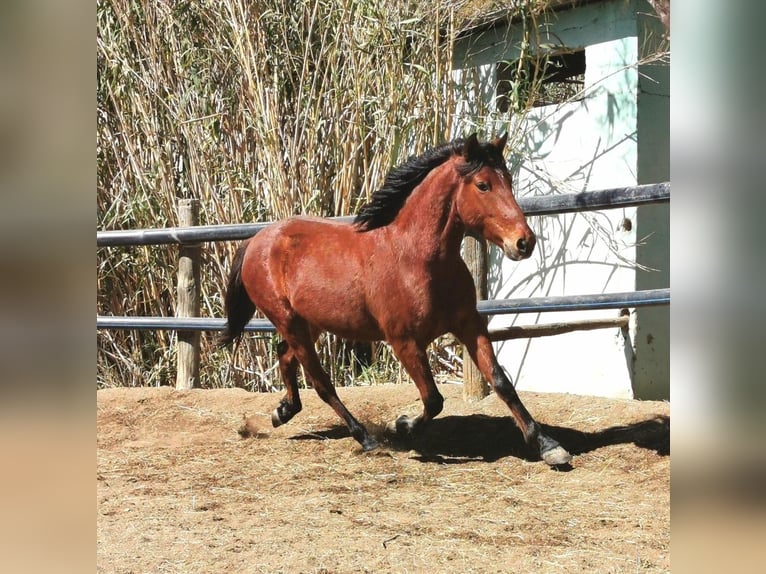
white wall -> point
(583, 145)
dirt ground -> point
(179, 490)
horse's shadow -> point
(458, 439)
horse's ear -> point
(500, 142)
(471, 146)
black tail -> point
(239, 307)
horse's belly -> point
(367, 332)
(331, 296)
(338, 310)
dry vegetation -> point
(260, 110)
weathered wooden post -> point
(475, 387)
(188, 303)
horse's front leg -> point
(473, 334)
(415, 361)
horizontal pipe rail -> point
(537, 205)
(118, 323)
(630, 299)
(651, 297)
(551, 329)
(594, 200)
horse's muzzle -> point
(521, 248)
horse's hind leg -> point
(415, 361)
(302, 345)
(290, 405)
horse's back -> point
(313, 269)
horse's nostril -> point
(521, 245)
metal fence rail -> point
(190, 237)
(542, 205)
(631, 300)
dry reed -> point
(261, 110)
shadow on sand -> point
(457, 439)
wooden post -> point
(533, 331)
(188, 302)
(475, 387)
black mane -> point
(387, 201)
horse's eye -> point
(483, 186)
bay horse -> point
(394, 274)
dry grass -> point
(179, 490)
(261, 110)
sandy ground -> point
(179, 490)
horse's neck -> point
(427, 221)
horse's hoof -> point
(275, 420)
(402, 426)
(556, 456)
(370, 444)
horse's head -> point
(485, 202)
